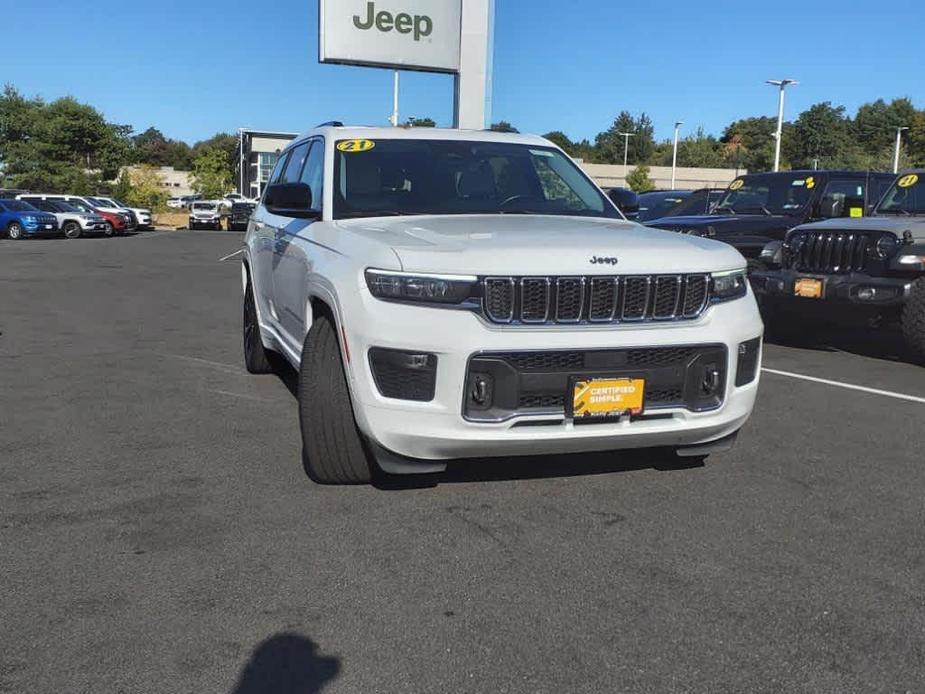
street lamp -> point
(674, 154)
(899, 138)
(626, 146)
(393, 119)
(780, 117)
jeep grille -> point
(594, 299)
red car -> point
(116, 221)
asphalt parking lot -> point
(158, 532)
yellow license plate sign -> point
(808, 288)
(601, 397)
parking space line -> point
(231, 255)
(849, 386)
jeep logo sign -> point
(403, 23)
(407, 34)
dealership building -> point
(257, 153)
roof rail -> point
(331, 124)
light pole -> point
(626, 146)
(782, 84)
(393, 119)
(899, 139)
(674, 154)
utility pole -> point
(782, 84)
(674, 154)
(393, 119)
(899, 139)
(626, 146)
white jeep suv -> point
(450, 294)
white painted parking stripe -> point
(231, 255)
(849, 386)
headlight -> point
(886, 246)
(728, 285)
(407, 286)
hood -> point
(727, 223)
(541, 245)
(893, 223)
(204, 213)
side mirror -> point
(291, 200)
(830, 208)
(626, 201)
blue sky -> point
(194, 68)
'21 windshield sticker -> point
(355, 145)
(735, 185)
(907, 181)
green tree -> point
(151, 147)
(420, 123)
(697, 150)
(226, 142)
(821, 135)
(503, 127)
(141, 186)
(915, 139)
(212, 173)
(608, 145)
(560, 139)
(749, 143)
(876, 122)
(638, 179)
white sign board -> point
(405, 34)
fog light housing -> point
(866, 293)
(747, 366)
(404, 375)
(481, 391)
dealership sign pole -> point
(450, 36)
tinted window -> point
(43, 205)
(313, 173)
(905, 196)
(294, 166)
(19, 206)
(277, 170)
(777, 193)
(844, 198)
(407, 177)
(660, 204)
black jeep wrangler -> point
(759, 208)
(855, 271)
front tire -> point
(108, 229)
(71, 230)
(332, 447)
(913, 319)
(14, 230)
(256, 359)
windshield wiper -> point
(725, 208)
(897, 212)
(375, 213)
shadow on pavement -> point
(287, 664)
(876, 343)
(519, 467)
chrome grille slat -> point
(594, 299)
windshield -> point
(905, 196)
(697, 203)
(408, 177)
(19, 206)
(776, 193)
(655, 205)
(203, 206)
(82, 206)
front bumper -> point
(44, 229)
(852, 288)
(438, 429)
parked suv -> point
(73, 222)
(450, 294)
(142, 215)
(205, 214)
(760, 208)
(868, 270)
(117, 221)
(19, 219)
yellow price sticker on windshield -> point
(355, 145)
(909, 180)
(810, 182)
(736, 184)
(856, 211)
